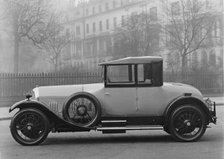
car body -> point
(132, 96)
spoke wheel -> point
(187, 123)
(29, 127)
(82, 111)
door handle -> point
(107, 93)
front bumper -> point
(212, 109)
(213, 113)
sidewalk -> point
(218, 100)
(5, 115)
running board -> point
(124, 129)
(113, 123)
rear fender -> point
(185, 100)
(27, 103)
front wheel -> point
(187, 123)
(29, 127)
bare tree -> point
(188, 28)
(137, 36)
(56, 40)
(27, 17)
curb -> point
(6, 118)
(218, 104)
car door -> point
(150, 101)
(120, 92)
(150, 94)
(120, 101)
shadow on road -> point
(108, 139)
(121, 139)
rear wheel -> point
(29, 127)
(187, 123)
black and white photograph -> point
(111, 79)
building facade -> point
(91, 26)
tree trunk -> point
(16, 52)
(56, 65)
(183, 67)
(16, 42)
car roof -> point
(134, 60)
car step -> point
(113, 123)
(124, 129)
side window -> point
(120, 74)
(145, 74)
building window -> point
(115, 22)
(114, 4)
(134, 13)
(93, 10)
(216, 29)
(77, 13)
(100, 25)
(175, 8)
(89, 49)
(87, 28)
(108, 46)
(67, 32)
(78, 49)
(106, 6)
(204, 58)
(107, 24)
(207, 4)
(73, 50)
(78, 32)
(67, 55)
(195, 60)
(87, 11)
(122, 3)
(153, 13)
(212, 58)
(94, 27)
(100, 9)
(101, 47)
(122, 20)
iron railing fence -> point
(14, 86)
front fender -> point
(27, 103)
(24, 104)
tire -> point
(187, 123)
(82, 110)
(29, 127)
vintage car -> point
(132, 96)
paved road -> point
(132, 145)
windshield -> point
(102, 73)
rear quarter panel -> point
(153, 101)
